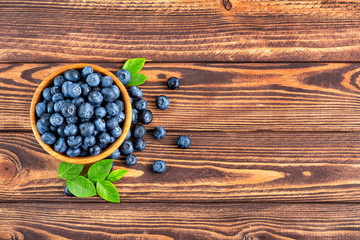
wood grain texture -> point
(218, 167)
(179, 30)
(220, 97)
(179, 221)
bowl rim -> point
(110, 149)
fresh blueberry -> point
(87, 71)
(159, 132)
(84, 153)
(50, 107)
(86, 129)
(114, 155)
(140, 104)
(60, 130)
(112, 123)
(128, 136)
(131, 100)
(100, 124)
(112, 139)
(41, 127)
(57, 97)
(183, 142)
(95, 150)
(95, 98)
(68, 109)
(58, 81)
(72, 119)
(109, 94)
(127, 147)
(86, 110)
(173, 83)
(116, 90)
(65, 88)
(54, 90)
(56, 119)
(135, 92)
(73, 152)
(162, 102)
(139, 131)
(72, 75)
(116, 132)
(53, 129)
(45, 119)
(124, 76)
(120, 104)
(112, 109)
(67, 192)
(60, 145)
(70, 130)
(102, 146)
(77, 101)
(99, 75)
(48, 138)
(146, 116)
(159, 166)
(130, 160)
(47, 94)
(106, 81)
(85, 89)
(40, 109)
(58, 105)
(74, 141)
(97, 89)
(90, 141)
(74, 90)
(100, 112)
(104, 138)
(135, 116)
(84, 147)
(93, 80)
(120, 117)
(139, 145)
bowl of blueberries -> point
(81, 113)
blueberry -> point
(86, 129)
(100, 112)
(120, 104)
(106, 81)
(67, 192)
(48, 138)
(84, 153)
(112, 123)
(40, 109)
(116, 132)
(58, 105)
(90, 141)
(104, 138)
(159, 166)
(86, 110)
(112, 139)
(84, 147)
(85, 89)
(56, 119)
(99, 75)
(139, 131)
(114, 155)
(162, 102)
(112, 109)
(116, 90)
(53, 129)
(135, 116)
(45, 119)
(95, 150)
(74, 141)
(68, 109)
(146, 116)
(96, 133)
(57, 97)
(72, 75)
(159, 132)
(109, 94)
(131, 100)
(73, 152)
(60, 130)
(127, 147)
(120, 117)
(183, 142)
(95, 98)
(97, 89)
(77, 101)
(102, 146)
(47, 94)
(54, 90)
(87, 71)
(74, 90)
(93, 80)
(140, 104)
(139, 145)
(41, 127)
(60, 145)
(70, 130)
(58, 81)
(128, 136)
(72, 119)
(131, 160)
(173, 83)
(100, 124)
(65, 88)
(124, 76)
(50, 107)
(135, 92)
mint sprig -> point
(134, 66)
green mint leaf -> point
(107, 191)
(134, 65)
(137, 79)
(81, 187)
(116, 175)
(69, 170)
(99, 170)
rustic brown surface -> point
(179, 30)
(179, 221)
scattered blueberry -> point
(159, 166)
(173, 83)
(74, 90)
(159, 133)
(45, 119)
(104, 138)
(100, 112)
(139, 131)
(108, 94)
(112, 109)
(48, 138)
(95, 98)
(116, 132)
(56, 119)
(72, 75)
(162, 102)
(70, 130)
(116, 90)
(40, 109)
(58, 81)
(93, 80)
(183, 142)
(73, 152)
(135, 92)
(100, 124)
(86, 110)
(68, 109)
(135, 116)
(114, 155)
(41, 127)
(106, 81)
(140, 104)
(127, 147)
(146, 116)
(67, 192)
(60, 145)
(112, 123)
(139, 145)
(47, 94)
(124, 76)
(131, 160)
(86, 129)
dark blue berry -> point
(47, 94)
(90, 141)
(108, 94)
(65, 88)
(106, 81)
(131, 100)
(50, 107)
(58, 105)
(74, 141)
(127, 147)
(70, 130)
(53, 129)
(116, 91)
(114, 155)
(159, 166)
(87, 71)
(96, 133)
(112, 139)
(128, 136)
(72, 119)
(162, 102)
(100, 124)
(183, 142)
(48, 138)
(112, 123)
(72, 75)
(104, 138)
(102, 146)
(139, 145)
(116, 132)
(135, 92)
(86, 129)
(124, 76)
(173, 83)
(58, 81)
(86, 110)
(99, 75)
(93, 80)
(40, 109)
(140, 104)
(85, 89)
(54, 90)
(130, 160)
(68, 109)
(159, 133)
(135, 116)
(84, 153)
(57, 97)
(100, 112)
(97, 89)
(120, 104)
(78, 101)
(74, 90)
(95, 98)
(139, 131)
(67, 192)
(146, 116)
(45, 119)
(95, 150)
(112, 109)
(60, 145)
(56, 119)
(60, 130)
(73, 152)
(41, 127)
(120, 117)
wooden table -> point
(269, 96)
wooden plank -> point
(179, 221)
(179, 30)
(220, 97)
(218, 167)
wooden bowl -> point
(110, 149)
